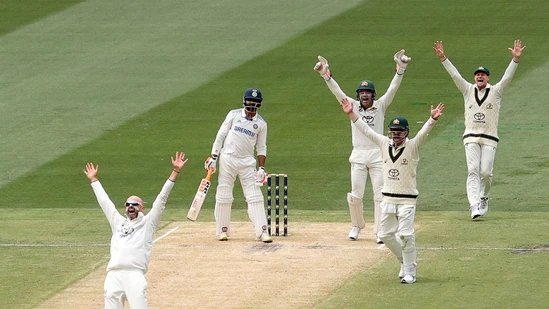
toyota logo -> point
(368, 119)
(393, 172)
(479, 116)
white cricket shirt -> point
(239, 135)
(132, 240)
(373, 116)
(399, 164)
(481, 106)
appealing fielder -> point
(400, 157)
(365, 157)
(242, 130)
(482, 104)
(132, 239)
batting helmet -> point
(399, 123)
(253, 94)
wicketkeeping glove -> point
(261, 175)
(210, 162)
(323, 68)
(401, 61)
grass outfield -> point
(46, 199)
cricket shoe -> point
(353, 234)
(265, 237)
(408, 279)
(379, 241)
(483, 208)
(223, 237)
(475, 211)
(401, 273)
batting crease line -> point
(167, 233)
(77, 245)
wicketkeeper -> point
(482, 104)
(132, 239)
(398, 208)
(365, 157)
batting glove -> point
(401, 61)
(323, 68)
(261, 175)
(210, 162)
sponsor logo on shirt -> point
(479, 118)
(245, 131)
(126, 230)
(369, 120)
(393, 174)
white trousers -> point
(480, 165)
(397, 232)
(245, 168)
(123, 284)
(373, 167)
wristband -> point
(176, 171)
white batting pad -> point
(222, 214)
(356, 210)
(256, 212)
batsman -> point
(242, 133)
(365, 157)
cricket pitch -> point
(190, 268)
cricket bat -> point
(200, 196)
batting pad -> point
(356, 210)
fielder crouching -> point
(132, 239)
(400, 157)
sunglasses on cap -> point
(132, 203)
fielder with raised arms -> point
(132, 239)
(482, 102)
(400, 159)
(365, 157)
(242, 133)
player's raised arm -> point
(323, 68)
(516, 50)
(178, 162)
(439, 50)
(437, 111)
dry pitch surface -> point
(190, 268)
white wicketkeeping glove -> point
(260, 176)
(210, 162)
(323, 68)
(401, 61)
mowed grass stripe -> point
(18, 13)
(70, 77)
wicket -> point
(277, 203)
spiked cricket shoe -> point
(223, 237)
(483, 208)
(265, 237)
(408, 279)
(353, 234)
(475, 211)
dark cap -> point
(483, 70)
(399, 123)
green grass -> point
(46, 199)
